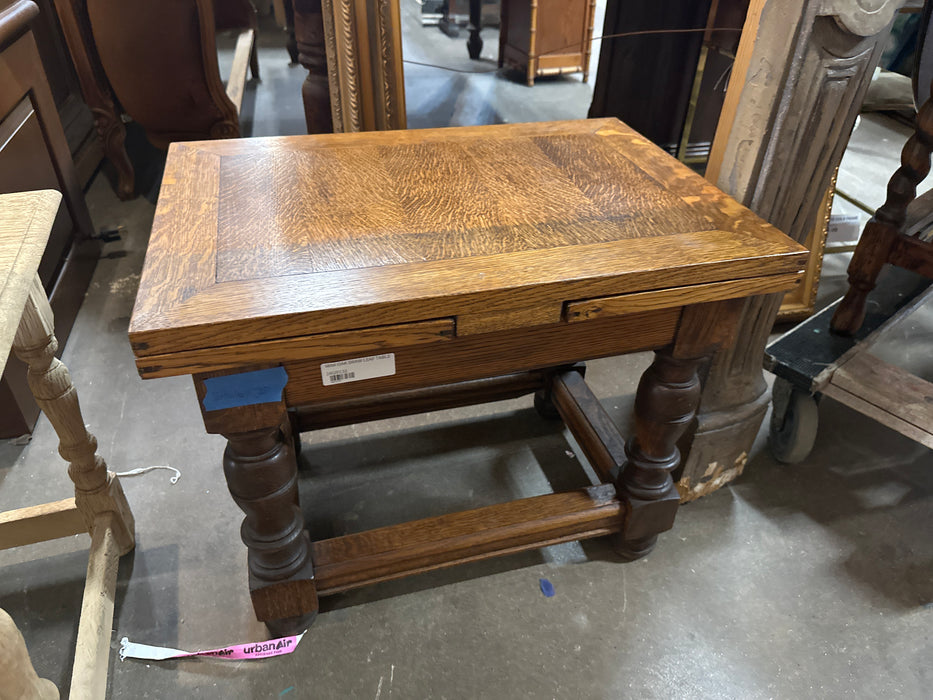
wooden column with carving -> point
(309, 37)
(780, 139)
(99, 98)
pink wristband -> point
(234, 652)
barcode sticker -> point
(357, 369)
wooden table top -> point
(25, 222)
(271, 238)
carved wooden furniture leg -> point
(97, 491)
(475, 41)
(877, 241)
(315, 91)
(110, 127)
(667, 398)
(18, 679)
(665, 404)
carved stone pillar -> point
(797, 106)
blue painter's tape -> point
(547, 588)
(245, 389)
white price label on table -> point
(358, 369)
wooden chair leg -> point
(97, 491)
(18, 679)
(880, 236)
(475, 41)
(870, 255)
(92, 649)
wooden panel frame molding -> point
(363, 42)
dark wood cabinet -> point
(667, 83)
(645, 79)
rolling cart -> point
(810, 361)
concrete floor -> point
(808, 581)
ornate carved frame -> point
(364, 56)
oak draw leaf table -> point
(313, 281)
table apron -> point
(491, 355)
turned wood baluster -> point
(18, 678)
(665, 405)
(96, 490)
(667, 398)
(881, 231)
(262, 476)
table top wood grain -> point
(276, 238)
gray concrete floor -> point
(808, 581)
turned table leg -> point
(97, 491)
(291, 43)
(667, 398)
(665, 405)
(261, 469)
(308, 17)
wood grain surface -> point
(265, 239)
(25, 222)
(32, 524)
(888, 388)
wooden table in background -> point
(450, 266)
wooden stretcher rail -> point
(586, 418)
(48, 521)
(406, 403)
(392, 552)
(92, 648)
